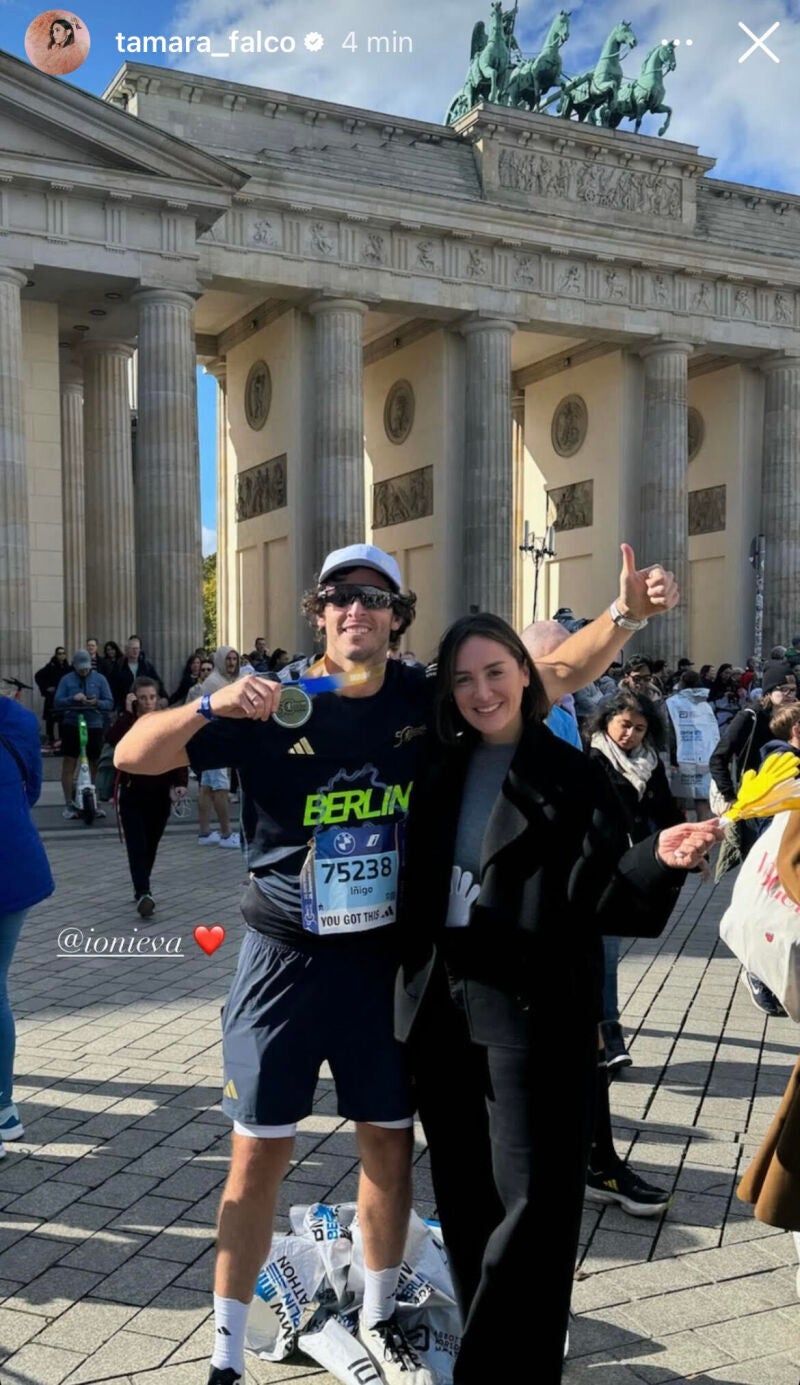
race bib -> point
(348, 883)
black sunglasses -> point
(343, 594)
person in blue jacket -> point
(25, 877)
(84, 692)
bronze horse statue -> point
(645, 94)
(532, 79)
(592, 95)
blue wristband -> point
(204, 710)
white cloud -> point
(209, 541)
(742, 114)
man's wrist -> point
(205, 709)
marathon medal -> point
(294, 708)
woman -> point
(723, 695)
(112, 658)
(62, 33)
(47, 680)
(517, 860)
(626, 735)
(739, 747)
(189, 679)
(278, 660)
(25, 877)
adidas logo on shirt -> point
(301, 747)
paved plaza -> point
(107, 1206)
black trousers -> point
(144, 817)
(509, 1129)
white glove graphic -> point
(463, 893)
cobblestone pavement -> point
(107, 1206)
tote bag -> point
(761, 925)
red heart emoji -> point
(209, 938)
(769, 937)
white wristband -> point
(622, 621)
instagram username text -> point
(257, 42)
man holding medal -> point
(327, 763)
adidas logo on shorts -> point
(229, 1090)
(301, 747)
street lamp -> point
(539, 549)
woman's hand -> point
(683, 847)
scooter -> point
(84, 796)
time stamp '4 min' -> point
(365, 43)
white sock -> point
(380, 1287)
(230, 1317)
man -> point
(134, 665)
(258, 658)
(541, 638)
(317, 968)
(82, 692)
(144, 800)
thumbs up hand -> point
(647, 591)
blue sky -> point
(740, 113)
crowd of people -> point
(421, 851)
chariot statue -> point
(501, 74)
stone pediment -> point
(53, 130)
(560, 167)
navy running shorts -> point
(289, 1012)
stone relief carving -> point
(696, 428)
(571, 507)
(707, 511)
(476, 264)
(624, 190)
(616, 285)
(402, 498)
(782, 309)
(743, 303)
(261, 488)
(398, 411)
(660, 290)
(320, 238)
(571, 280)
(264, 234)
(701, 298)
(569, 427)
(524, 270)
(424, 258)
(258, 395)
(374, 249)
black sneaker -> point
(393, 1353)
(217, 1376)
(617, 1055)
(762, 997)
(145, 906)
(621, 1185)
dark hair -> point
(275, 658)
(637, 663)
(625, 701)
(720, 683)
(134, 637)
(65, 24)
(448, 720)
(690, 679)
(112, 644)
(404, 608)
(143, 682)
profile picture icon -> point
(57, 41)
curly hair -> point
(624, 701)
(404, 609)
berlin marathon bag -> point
(761, 925)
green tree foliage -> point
(210, 601)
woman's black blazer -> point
(557, 871)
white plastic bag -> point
(761, 925)
(322, 1262)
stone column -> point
(219, 370)
(168, 540)
(339, 516)
(488, 470)
(518, 505)
(16, 651)
(665, 487)
(73, 508)
(108, 480)
(780, 515)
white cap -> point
(362, 555)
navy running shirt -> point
(331, 795)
